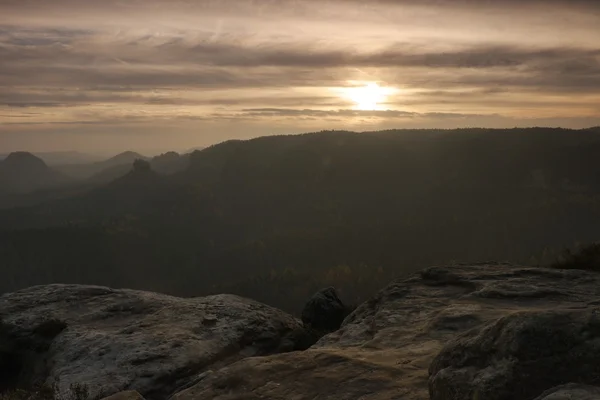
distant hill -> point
(109, 174)
(22, 172)
(123, 158)
(128, 191)
(88, 170)
(53, 158)
(165, 164)
(66, 157)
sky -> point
(157, 75)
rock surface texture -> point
(519, 356)
(117, 340)
(478, 327)
(571, 391)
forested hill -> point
(275, 218)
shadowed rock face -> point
(571, 391)
(520, 356)
(115, 340)
(324, 311)
(385, 348)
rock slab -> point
(385, 348)
(116, 340)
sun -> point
(369, 96)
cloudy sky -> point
(152, 75)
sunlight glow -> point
(369, 96)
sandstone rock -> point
(571, 391)
(384, 349)
(519, 356)
(115, 340)
(324, 311)
(271, 378)
(127, 395)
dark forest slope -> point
(277, 217)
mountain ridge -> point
(330, 207)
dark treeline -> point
(276, 218)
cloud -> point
(279, 63)
(350, 114)
(64, 97)
(286, 112)
(159, 62)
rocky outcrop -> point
(492, 331)
(385, 348)
(324, 311)
(519, 356)
(116, 340)
(571, 391)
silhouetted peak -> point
(141, 175)
(22, 172)
(141, 171)
(23, 158)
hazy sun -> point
(369, 96)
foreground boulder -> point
(324, 311)
(116, 340)
(384, 349)
(571, 391)
(520, 356)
